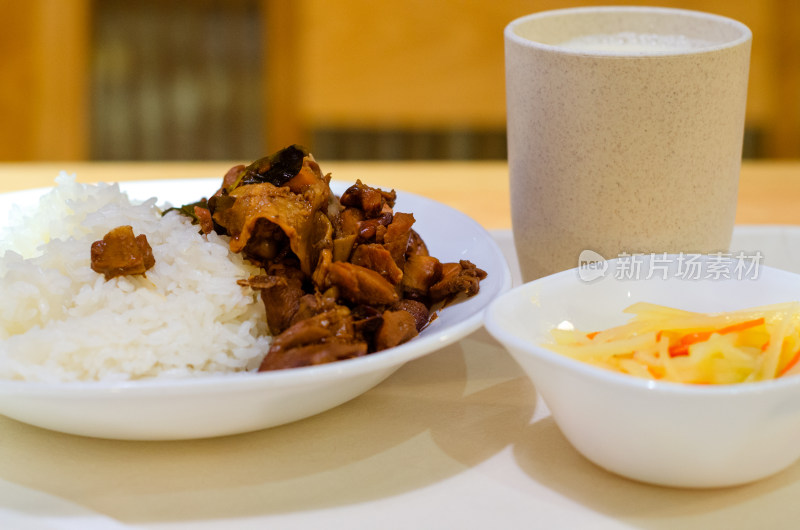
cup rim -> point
(511, 34)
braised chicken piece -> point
(332, 325)
(314, 304)
(416, 309)
(262, 211)
(343, 277)
(121, 253)
(397, 328)
(322, 338)
(378, 258)
(419, 274)
(266, 241)
(371, 201)
(416, 246)
(457, 278)
(321, 249)
(204, 219)
(372, 229)
(343, 247)
(397, 237)
(361, 285)
(281, 291)
(348, 222)
(313, 354)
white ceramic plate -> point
(221, 405)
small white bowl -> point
(657, 432)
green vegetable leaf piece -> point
(277, 168)
(188, 209)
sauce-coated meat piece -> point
(263, 216)
(397, 328)
(281, 291)
(416, 309)
(457, 278)
(261, 209)
(313, 304)
(204, 219)
(416, 246)
(398, 235)
(361, 285)
(372, 201)
(419, 274)
(314, 354)
(377, 258)
(322, 338)
(335, 324)
(372, 229)
(121, 253)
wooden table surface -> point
(456, 439)
(768, 193)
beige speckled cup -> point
(623, 148)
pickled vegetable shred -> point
(669, 344)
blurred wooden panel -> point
(363, 67)
(389, 64)
(177, 80)
(282, 68)
(766, 19)
(43, 100)
(785, 140)
(416, 64)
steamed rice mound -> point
(61, 321)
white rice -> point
(61, 321)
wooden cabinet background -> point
(408, 69)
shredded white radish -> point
(671, 344)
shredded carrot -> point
(741, 326)
(682, 347)
(679, 350)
